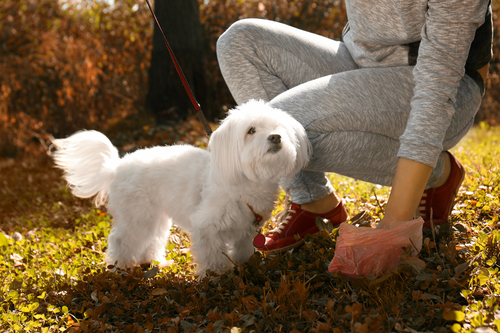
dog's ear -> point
(302, 143)
(224, 146)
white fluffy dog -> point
(214, 195)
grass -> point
(53, 277)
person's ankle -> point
(321, 206)
(446, 171)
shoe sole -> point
(362, 216)
(295, 245)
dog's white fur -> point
(206, 193)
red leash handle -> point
(195, 103)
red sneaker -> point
(296, 221)
(442, 199)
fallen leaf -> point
(454, 315)
(415, 262)
(462, 267)
(324, 224)
(94, 296)
(431, 296)
(151, 273)
(159, 291)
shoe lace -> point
(283, 217)
(421, 209)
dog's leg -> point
(156, 249)
(241, 247)
(208, 249)
(132, 235)
(120, 252)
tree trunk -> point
(167, 98)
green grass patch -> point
(53, 276)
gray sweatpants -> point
(353, 116)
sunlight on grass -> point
(53, 276)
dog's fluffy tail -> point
(89, 162)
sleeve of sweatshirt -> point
(447, 34)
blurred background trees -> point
(66, 66)
(166, 98)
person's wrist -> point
(391, 218)
(400, 216)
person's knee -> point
(240, 33)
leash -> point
(259, 239)
(196, 105)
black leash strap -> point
(196, 105)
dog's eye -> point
(251, 130)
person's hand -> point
(370, 252)
(373, 251)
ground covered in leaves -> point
(53, 277)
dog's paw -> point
(241, 255)
(201, 274)
(203, 271)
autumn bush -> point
(66, 66)
(69, 67)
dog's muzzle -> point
(275, 139)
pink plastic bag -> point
(370, 252)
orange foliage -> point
(70, 67)
(85, 65)
(490, 109)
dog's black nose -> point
(274, 138)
